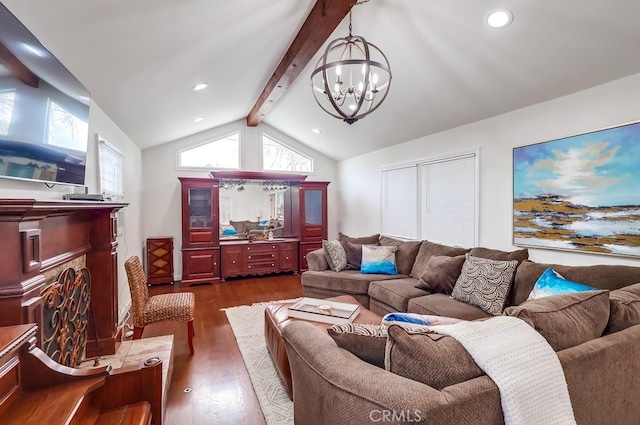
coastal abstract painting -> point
(580, 193)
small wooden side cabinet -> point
(159, 260)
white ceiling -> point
(140, 59)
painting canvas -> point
(580, 193)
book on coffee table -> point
(325, 311)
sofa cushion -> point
(238, 225)
(354, 255)
(378, 259)
(552, 283)
(363, 240)
(444, 305)
(406, 253)
(485, 283)
(429, 249)
(566, 320)
(368, 342)
(435, 360)
(625, 308)
(600, 276)
(251, 225)
(395, 293)
(346, 282)
(335, 254)
(441, 273)
(496, 254)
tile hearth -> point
(134, 352)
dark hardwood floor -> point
(221, 391)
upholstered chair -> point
(178, 306)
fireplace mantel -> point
(40, 236)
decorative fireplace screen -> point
(65, 316)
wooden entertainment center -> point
(207, 259)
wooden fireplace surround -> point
(38, 236)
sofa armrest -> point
(333, 386)
(317, 261)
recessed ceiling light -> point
(197, 119)
(316, 130)
(200, 86)
(499, 18)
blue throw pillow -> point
(229, 231)
(552, 283)
(378, 259)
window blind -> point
(399, 202)
(448, 210)
(111, 167)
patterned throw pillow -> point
(485, 283)
(378, 259)
(335, 254)
(552, 283)
(368, 342)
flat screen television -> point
(44, 111)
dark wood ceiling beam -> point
(325, 16)
(17, 68)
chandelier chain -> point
(351, 8)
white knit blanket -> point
(533, 389)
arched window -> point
(279, 157)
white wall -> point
(130, 242)
(161, 187)
(604, 106)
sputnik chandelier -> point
(352, 77)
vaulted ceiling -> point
(140, 60)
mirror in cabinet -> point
(254, 203)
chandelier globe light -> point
(352, 77)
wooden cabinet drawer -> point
(262, 267)
(254, 257)
(261, 248)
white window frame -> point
(111, 166)
(208, 140)
(407, 220)
(286, 145)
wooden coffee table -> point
(276, 318)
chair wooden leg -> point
(137, 332)
(190, 334)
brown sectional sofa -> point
(384, 294)
(331, 385)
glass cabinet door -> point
(199, 207)
(313, 207)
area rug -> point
(247, 323)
